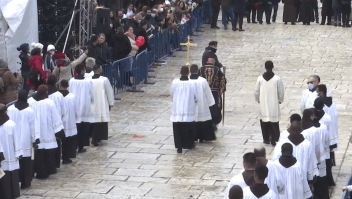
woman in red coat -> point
(37, 75)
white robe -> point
(247, 194)
(308, 99)
(333, 129)
(326, 120)
(284, 134)
(58, 100)
(25, 128)
(11, 145)
(269, 94)
(296, 186)
(235, 180)
(185, 97)
(89, 75)
(48, 122)
(103, 98)
(83, 90)
(312, 136)
(205, 100)
(69, 120)
(274, 183)
(304, 153)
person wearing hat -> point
(210, 53)
(64, 68)
(25, 69)
(49, 62)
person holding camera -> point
(8, 83)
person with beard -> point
(294, 117)
(326, 120)
(303, 150)
(321, 189)
(326, 11)
(205, 130)
(64, 67)
(141, 31)
(83, 90)
(275, 184)
(92, 50)
(269, 93)
(69, 145)
(11, 146)
(103, 102)
(24, 117)
(259, 189)
(345, 11)
(25, 69)
(289, 169)
(122, 45)
(209, 52)
(58, 100)
(49, 126)
(217, 82)
(245, 178)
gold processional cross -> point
(188, 44)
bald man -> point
(236, 192)
(217, 82)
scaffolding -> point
(85, 28)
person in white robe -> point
(294, 117)
(302, 150)
(9, 140)
(69, 144)
(90, 63)
(58, 100)
(269, 93)
(325, 119)
(184, 95)
(313, 134)
(290, 170)
(245, 178)
(83, 90)
(259, 190)
(103, 102)
(24, 118)
(275, 184)
(205, 130)
(49, 124)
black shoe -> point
(234, 29)
(260, 22)
(179, 150)
(322, 24)
(193, 146)
(95, 143)
(285, 23)
(200, 141)
(225, 28)
(248, 21)
(254, 22)
(216, 27)
(308, 24)
(82, 150)
(273, 21)
(240, 29)
(68, 161)
(293, 23)
(335, 24)
(348, 26)
(215, 127)
(266, 142)
(268, 23)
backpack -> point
(2, 83)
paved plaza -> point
(140, 161)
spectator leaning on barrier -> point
(8, 83)
(25, 69)
(103, 48)
(64, 67)
(132, 38)
(141, 31)
(122, 45)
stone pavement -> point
(140, 161)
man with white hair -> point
(90, 63)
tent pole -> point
(69, 28)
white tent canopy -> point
(18, 25)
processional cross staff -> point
(188, 44)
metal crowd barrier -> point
(161, 43)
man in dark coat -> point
(215, 4)
(239, 8)
(92, 51)
(326, 11)
(290, 13)
(210, 53)
(122, 45)
(250, 7)
(346, 11)
(102, 48)
(275, 7)
(141, 31)
(306, 14)
(264, 6)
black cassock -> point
(217, 82)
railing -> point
(161, 43)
